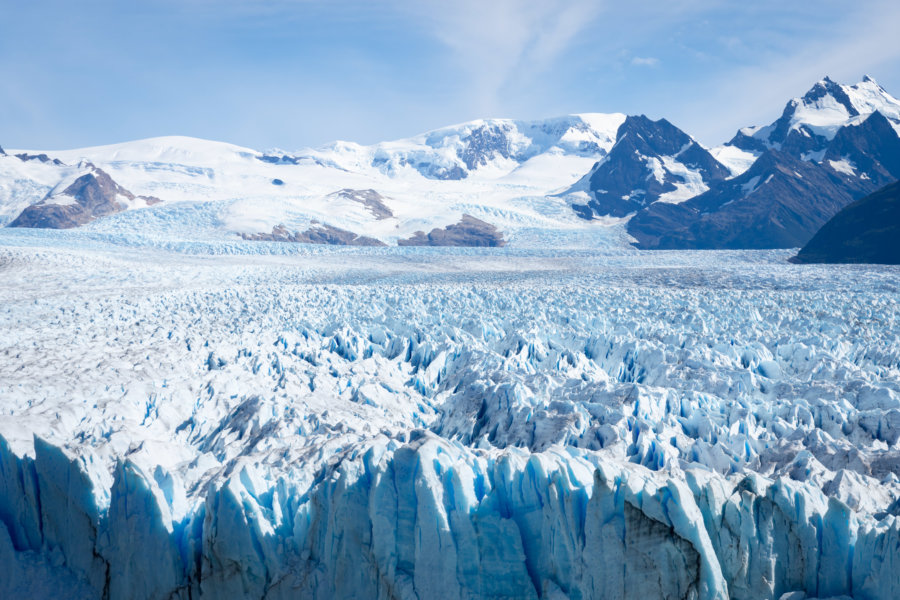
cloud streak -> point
(505, 45)
(756, 93)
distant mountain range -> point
(589, 179)
(830, 147)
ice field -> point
(245, 420)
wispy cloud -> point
(505, 43)
(756, 93)
(649, 61)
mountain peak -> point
(810, 122)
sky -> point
(300, 73)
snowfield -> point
(264, 420)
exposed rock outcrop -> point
(368, 198)
(468, 232)
(90, 197)
(40, 157)
(319, 233)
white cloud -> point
(640, 61)
(755, 94)
(505, 43)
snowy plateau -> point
(191, 408)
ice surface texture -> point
(451, 424)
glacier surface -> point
(240, 420)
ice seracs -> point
(479, 423)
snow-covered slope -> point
(500, 171)
(567, 181)
(808, 123)
(395, 423)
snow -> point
(867, 97)
(814, 156)
(213, 190)
(751, 185)
(691, 183)
(825, 115)
(250, 420)
(843, 166)
(735, 160)
(185, 413)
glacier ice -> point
(405, 423)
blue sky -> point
(296, 73)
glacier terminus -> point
(219, 421)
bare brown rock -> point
(368, 198)
(468, 232)
(319, 233)
(88, 198)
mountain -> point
(651, 161)
(468, 232)
(485, 147)
(780, 202)
(834, 145)
(866, 231)
(807, 124)
(90, 196)
(507, 175)
(579, 180)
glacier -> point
(254, 420)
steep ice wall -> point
(433, 519)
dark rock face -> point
(782, 200)
(277, 182)
(468, 232)
(281, 159)
(319, 233)
(484, 144)
(2, 153)
(872, 147)
(866, 231)
(41, 157)
(633, 176)
(89, 197)
(368, 198)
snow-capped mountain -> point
(86, 196)
(651, 161)
(809, 123)
(780, 202)
(834, 145)
(500, 172)
(576, 180)
(484, 148)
